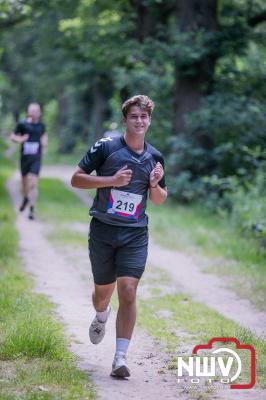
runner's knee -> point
(33, 181)
(100, 304)
(127, 294)
(101, 296)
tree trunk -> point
(62, 113)
(192, 16)
(86, 113)
(143, 19)
(16, 115)
(100, 111)
(150, 17)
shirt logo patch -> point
(99, 143)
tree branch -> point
(8, 23)
(257, 19)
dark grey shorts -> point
(29, 165)
(117, 251)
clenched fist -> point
(156, 174)
(122, 177)
(24, 138)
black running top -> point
(125, 205)
(32, 148)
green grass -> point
(61, 208)
(43, 339)
(192, 323)
(59, 205)
(35, 362)
(41, 379)
(52, 156)
(180, 227)
(193, 229)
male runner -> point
(32, 137)
(128, 170)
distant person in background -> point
(30, 133)
(112, 132)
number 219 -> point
(125, 206)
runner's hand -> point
(24, 138)
(156, 174)
(122, 177)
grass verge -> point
(58, 205)
(193, 229)
(66, 215)
(180, 323)
(52, 156)
(35, 362)
(189, 323)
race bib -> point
(30, 148)
(124, 204)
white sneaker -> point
(97, 329)
(119, 366)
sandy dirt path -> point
(186, 272)
(70, 289)
(208, 289)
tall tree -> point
(195, 62)
(206, 31)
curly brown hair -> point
(141, 101)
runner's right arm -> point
(18, 136)
(92, 161)
(82, 180)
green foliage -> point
(50, 116)
(224, 147)
(11, 11)
(68, 135)
(8, 236)
(249, 208)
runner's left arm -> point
(158, 195)
(44, 137)
(44, 140)
(157, 189)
